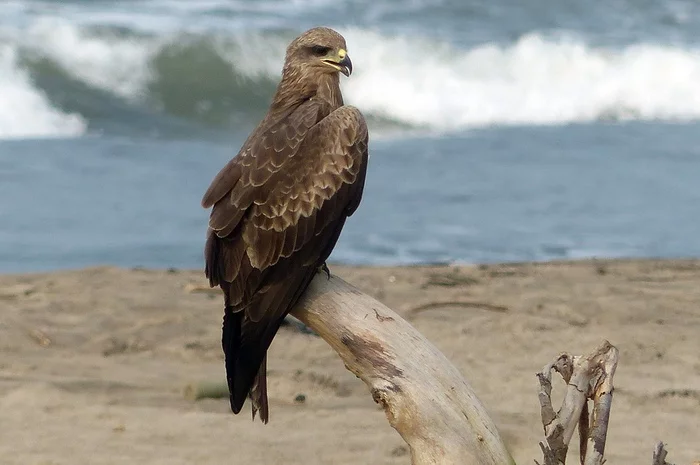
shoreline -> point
(103, 353)
(517, 263)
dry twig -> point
(587, 378)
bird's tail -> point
(248, 331)
(246, 367)
(231, 343)
(245, 342)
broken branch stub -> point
(660, 453)
(587, 378)
(424, 396)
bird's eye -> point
(320, 50)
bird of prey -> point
(280, 204)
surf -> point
(402, 83)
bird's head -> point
(318, 50)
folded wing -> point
(278, 209)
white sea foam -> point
(24, 110)
(412, 80)
(534, 81)
(117, 64)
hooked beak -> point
(340, 62)
(346, 65)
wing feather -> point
(298, 198)
(222, 183)
(290, 238)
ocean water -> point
(500, 130)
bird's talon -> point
(324, 268)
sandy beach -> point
(93, 363)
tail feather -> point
(258, 393)
(247, 367)
(231, 342)
(245, 345)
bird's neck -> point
(328, 89)
(295, 89)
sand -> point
(93, 363)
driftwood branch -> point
(427, 400)
(424, 396)
(587, 378)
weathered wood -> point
(588, 377)
(602, 403)
(660, 453)
(424, 396)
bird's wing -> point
(264, 151)
(287, 200)
(282, 190)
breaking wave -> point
(25, 111)
(533, 81)
(226, 80)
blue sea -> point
(500, 130)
